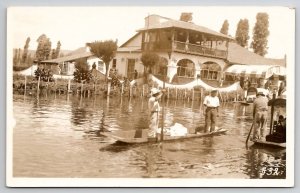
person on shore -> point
(135, 74)
(260, 114)
(211, 104)
(154, 108)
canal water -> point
(58, 136)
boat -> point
(251, 95)
(277, 135)
(140, 136)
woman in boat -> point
(154, 108)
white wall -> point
(121, 64)
(99, 63)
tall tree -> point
(187, 17)
(260, 34)
(149, 59)
(225, 27)
(104, 50)
(53, 54)
(82, 72)
(44, 48)
(25, 52)
(242, 32)
(57, 50)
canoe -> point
(144, 139)
(246, 103)
(269, 143)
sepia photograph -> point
(157, 96)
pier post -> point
(38, 85)
(25, 85)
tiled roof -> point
(240, 55)
(184, 25)
(69, 58)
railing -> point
(199, 50)
(157, 46)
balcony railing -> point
(199, 50)
(184, 47)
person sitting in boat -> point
(211, 104)
(154, 108)
(260, 114)
(279, 134)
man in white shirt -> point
(211, 104)
(154, 108)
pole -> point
(25, 85)
(163, 111)
(38, 86)
(272, 112)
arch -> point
(186, 68)
(210, 71)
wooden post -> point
(38, 86)
(193, 95)
(25, 82)
(81, 88)
(168, 92)
(69, 85)
(176, 93)
(272, 112)
(122, 88)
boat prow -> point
(133, 140)
(269, 143)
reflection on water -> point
(58, 136)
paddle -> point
(249, 133)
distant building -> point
(64, 67)
(191, 51)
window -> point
(114, 63)
(100, 66)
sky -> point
(74, 26)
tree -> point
(82, 72)
(260, 34)
(149, 59)
(57, 50)
(53, 54)
(225, 27)
(104, 50)
(242, 32)
(25, 52)
(44, 48)
(187, 17)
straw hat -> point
(154, 91)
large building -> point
(188, 51)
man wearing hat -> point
(154, 108)
(211, 104)
(260, 114)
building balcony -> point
(184, 47)
(198, 50)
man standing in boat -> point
(260, 114)
(211, 104)
(154, 108)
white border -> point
(154, 182)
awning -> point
(247, 69)
(260, 70)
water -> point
(58, 136)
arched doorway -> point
(210, 71)
(186, 68)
